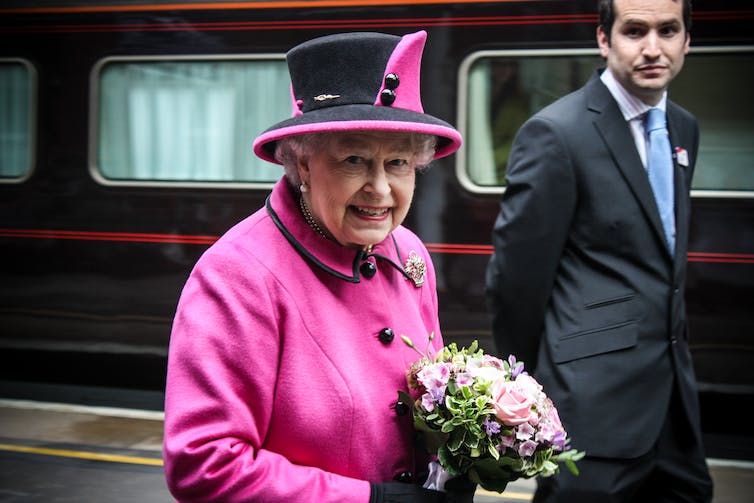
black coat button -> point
(403, 477)
(387, 335)
(368, 269)
(401, 408)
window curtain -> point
(15, 117)
(479, 153)
(189, 121)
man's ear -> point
(602, 42)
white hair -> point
(290, 149)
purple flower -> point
(433, 396)
(434, 378)
(527, 448)
(435, 375)
(559, 440)
(507, 440)
(464, 379)
(428, 403)
(516, 367)
(491, 427)
(524, 431)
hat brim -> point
(359, 118)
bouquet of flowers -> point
(486, 418)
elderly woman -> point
(285, 356)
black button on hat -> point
(392, 81)
(387, 335)
(387, 97)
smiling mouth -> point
(371, 212)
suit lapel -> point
(682, 176)
(619, 141)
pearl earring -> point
(303, 187)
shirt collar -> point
(630, 106)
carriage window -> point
(502, 92)
(187, 120)
(503, 89)
(716, 87)
(15, 120)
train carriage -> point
(125, 151)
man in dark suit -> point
(586, 282)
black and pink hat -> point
(358, 82)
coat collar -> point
(339, 261)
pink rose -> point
(513, 402)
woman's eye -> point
(354, 159)
(400, 166)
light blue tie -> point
(660, 168)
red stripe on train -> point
(446, 248)
(338, 24)
(258, 5)
(307, 24)
(137, 237)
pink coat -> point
(279, 387)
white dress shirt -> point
(633, 110)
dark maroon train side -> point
(90, 273)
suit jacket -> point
(581, 284)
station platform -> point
(60, 453)
(55, 452)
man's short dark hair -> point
(607, 16)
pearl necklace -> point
(315, 226)
(310, 219)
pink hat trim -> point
(365, 125)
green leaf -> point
(466, 392)
(481, 402)
(493, 452)
(571, 465)
(447, 427)
(493, 476)
(476, 430)
(456, 439)
(452, 387)
(569, 458)
(447, 461)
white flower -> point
(489, 374)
